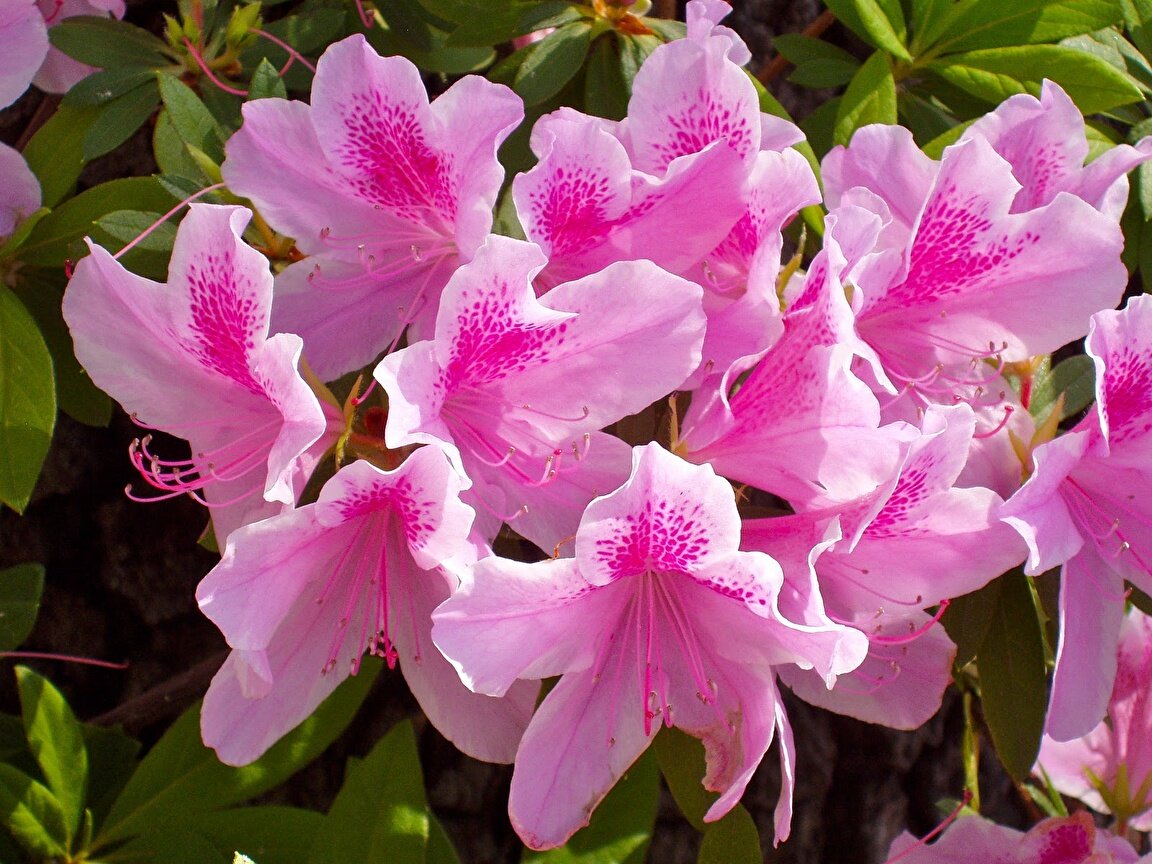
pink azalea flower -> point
(1073, 839)
(1044, 141)
(1110, 768)
(1082, 509)
(59, 72)
(385, 192)
(193, 358)
(657, 618)
(956, 275)
(23, 45)
(879, 560)
(301, 596)
(519, 386)
(605, 191)
(19, 191)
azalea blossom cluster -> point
(863, 401)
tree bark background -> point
(121, 576)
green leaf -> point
(57, 742)
(681, 760)
(192, 121)
(881, 22)
(27, 401)
(996, 74)
(57, 237)
(983, 24)
(56, 152)
(127, 225)
(870, 98)
(41, 291)
(1013, 686)
(732, 840)
(119, 119)
(605, 90)
(553, 62)
(1138, 23)
(108, 43)
(266, 834)
(32, 814)
(967, 618)
(266, 83)
(180, 778)
(20, 590)
(407, 19)
(380, 813)
(102, 87)
(112, 758)
(1075, 377)
(621, 826)
(440, 848)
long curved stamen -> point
(143, 234)
(935, 832)
(194, 52)
(1102, 525)
(916, 602)
(293, 54)
(1008, 409)
(916, 633)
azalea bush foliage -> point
(531, 348)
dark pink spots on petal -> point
(418, 517)
(1061, 842)
(911, 490)
(664, 537)
(569, 209)
(1128, 395)
(392, 163)
(696, 123)
(226, 319)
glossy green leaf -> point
(870, 98)
(190, 118)
(881, 22)
(1013, 684)
(406, 19)
(967, 618)
(112, 758)
(57, 742)
(108, 43)
(41, 291)
(32, 814)
(27, 401)
(553, 62)
(180, 777)
(605, 90)
(621, 825)
(102, 87)
(982, 24)
(266, 83)
(380, 813)
(732, 840)
(56, 152)
(681, 761)
(20, 590)
(1138, 23)
(119, 119)
(996, 74)
(1075, 377)
(128, 225)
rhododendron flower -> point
(657, 619)
(1110, 768)
(301, 596)
(1084, 508)
(19, 191)
(878, 561)
(386, 193)
(1073, 839)
(23, 44)
(605, 191)
(193, 358)
(519, 386)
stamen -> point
(914, 634)
(143, 234)
(293, 54)
(1008, 409)
(965, 800)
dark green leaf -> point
(119, 120)
(32, 814)
(27, 401)
(20, 590)
(405, 19)
(171, 152)
(127, 225)
(681, 760)
(440, 848)
(380, 813)
(1075, 377)
(605, 91)
(621, 826)
(1138, 23)
(935, 147)
(1140, 600)
(823, 73)
(799, 48)
(105, 86)
(57, 743)
(870, 98)
(996, 74)
(192, 121)
(41, 291)
(881, 22)
(819, 126)
(1012, 676)
(266, 83)
(732, 840)
(108, 43)
(112, 757)
(181, 778)
(56, 152)
(667, 29)
(442, 58)
(967, 620)
(553, 62)
(927, 120)
(983, 24)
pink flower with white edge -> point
(302, 596)
(1110, 768)
(385, 192)
(1072, 839)
(193, 358)
(659, 618)
(1083, 509)
(520, 386)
